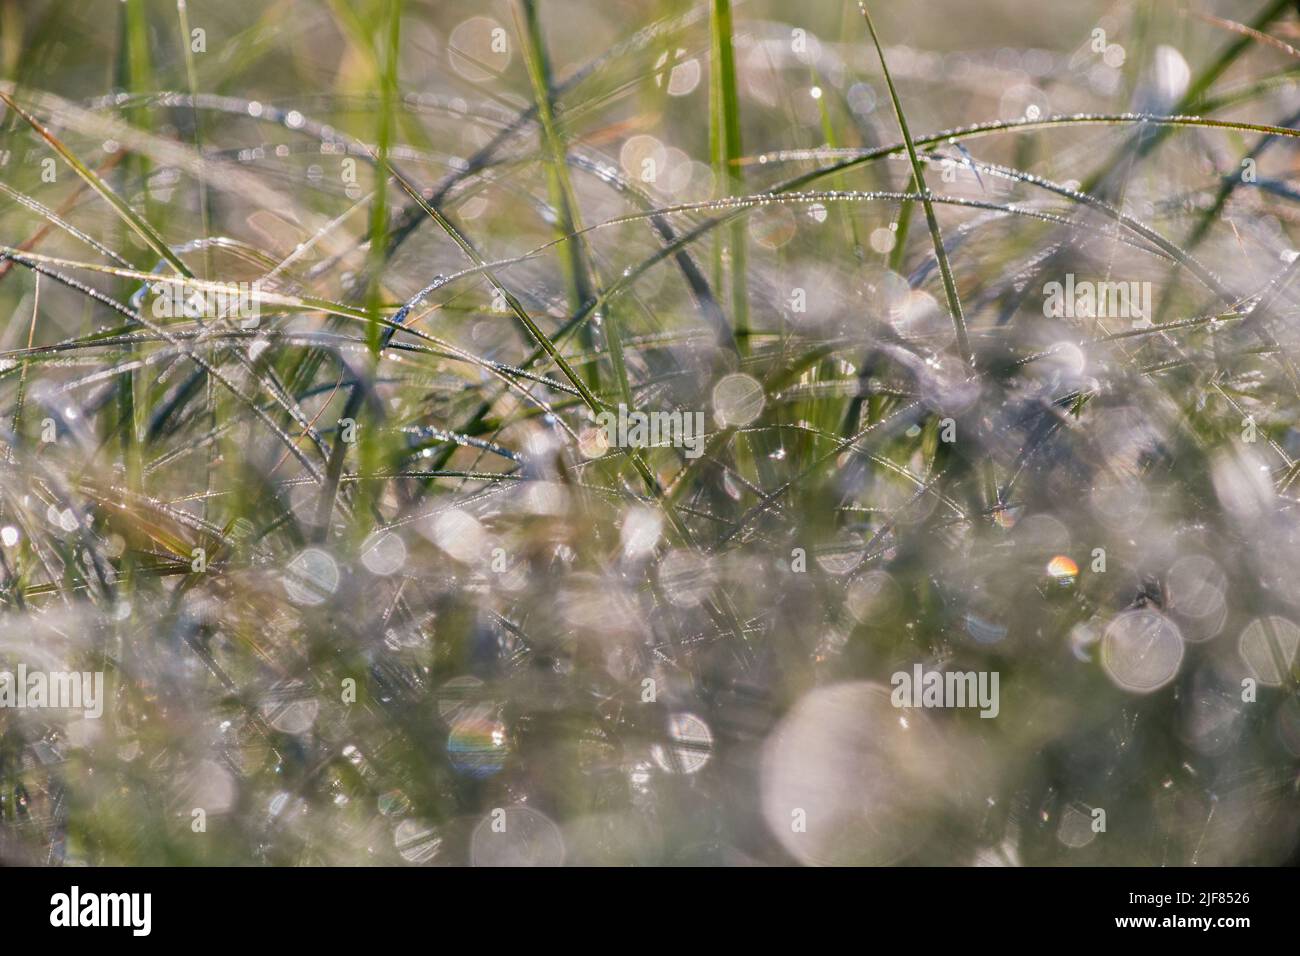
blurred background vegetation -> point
(369, 588)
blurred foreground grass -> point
(364, 578)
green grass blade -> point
(918, 175)
(726, 150)
(133, 219)
(568, 221)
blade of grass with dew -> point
(832, 141)
(725, 150)
(918, 177)
(577, 272)
(212, 397)
(135, 68)
(369, 452)
(869, 155)
(1200, 86)
(949, 284)
(378, 228)
(515, 306)
(138, 224)
(720, 605)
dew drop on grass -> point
(735, 491)
(1075, 827)
(684, 78)
(478, 745)
(1170, 75)
(383, 553)
(416, 841)
(738, 400)
(1141, 650)
(1268, 648)
(882, 240)
(293, 716)
(1063, 570)
(643, 159)
(459, 534)
(1197, 589)
(459, 696)
(842, 555)
(686, 577)
(690, 743)
(861, 99)
(311, 577)
(517, 836)
(593, 442)
(860, 780)
(478, 48)
(1065, 358)
(640, 532)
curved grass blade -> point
(133, 219)
(918, 175)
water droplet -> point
(689, 747)
(1141, 650)
(311, 577)
(524, 837)
(383, 553)
(738, 400)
